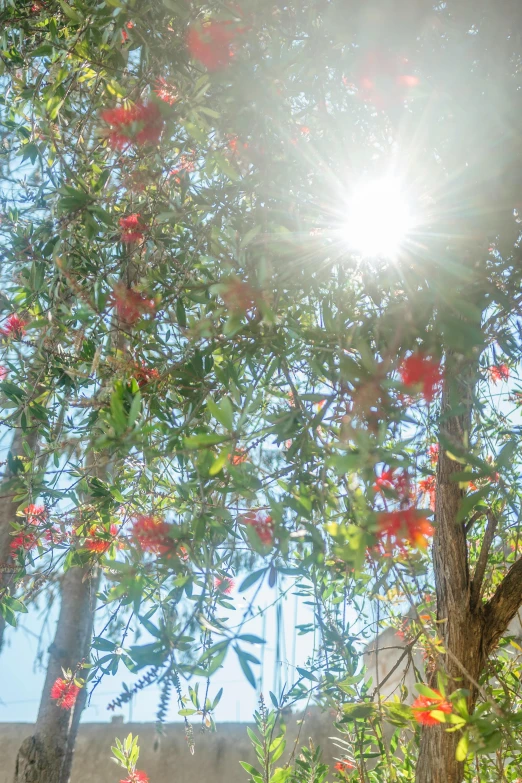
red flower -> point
(14, 327)
(165, 92)
(65, 692)
(344, 766)
(225, 585)
(262, 524)
(405, 526)
(130, 304)
(34, 514)
(96, 542)
(424, 705)
(399, 482)
(186, 166)
(3, 373)
(233, 144)
(434, 453)
(141, 124)
(428, 487)
(238, 457)
(385, 79)
(498, 372)
(421, 370)
(145, 375)
(25, 541)
(136, 777)
(132, 228)
(210, 43)
(239, 296)
(36, 7)
(152, 534)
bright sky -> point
(20, 692)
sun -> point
(378, 219)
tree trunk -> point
(46, 757)
(460, 626)
(8, 514)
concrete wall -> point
(216, 759)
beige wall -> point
(216, 759)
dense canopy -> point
(260, 325)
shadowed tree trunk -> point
(46, 756)
(470, 628)
(8, 513)
(42, 757)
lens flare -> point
(378, 220)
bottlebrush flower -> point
(262, 524)
(165, 92)
(239, 297)
(434, 453)
(145, 375)
(139, 124)
(428, 487)
(398, 482)
(25, 541)
(136, 777)
(423, 706)
(129, 304)
(152, 534)
(185, 166)
(3, 373)
(404, 526)
(98, 541)
(233, 143)
(132, 228)
(35, 514)
(344, 766)
(421, 370)
(210, 43)
(14, 327)
(498, 372)
(238, 457)
(65, 693)
(224, 585)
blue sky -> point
(21, 689)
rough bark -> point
(46, 756)
(8, 514)
(469, 628)
(42, 757)
(461, 632)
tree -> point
(265, 261)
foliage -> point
(219, 386)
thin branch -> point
(407, 650)
(503, 606)
(482, 562)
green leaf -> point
(251, 579)
(181, 314)
(250, 769)
(361, 710)
(43, 50)
(247, 671)
(251, 639)
(462, 748)
(222, 411)
(307, 675)
(73, 15)
(201, 441)
(468, 503)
